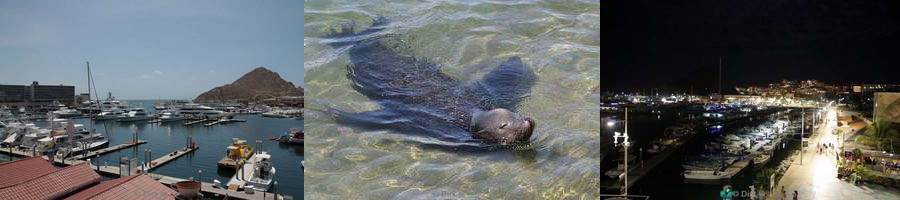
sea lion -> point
(416, 97)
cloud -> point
(152, 75)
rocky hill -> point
(261, 83)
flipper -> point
(506, 85)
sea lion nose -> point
(529, 130)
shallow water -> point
(559, 40)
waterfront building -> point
(36, 94)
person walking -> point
(783, 194)
(796, 194)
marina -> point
(138, 140)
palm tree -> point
(879, 135)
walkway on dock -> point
(166, 158)
(649, 165)
(817, 178)
(109, 149)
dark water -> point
(166, 138)
(665, 181)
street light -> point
(625, 144)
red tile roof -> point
(19, 171)
(53, 185)
(135, 187)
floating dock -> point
(195, 122)
(166, 158)
(109, 149)
(243, 172)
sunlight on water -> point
(559, 40)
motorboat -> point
(295, 136)
(194, 110)
(64, 112)
(169, 117)
(236, 153)
(134, 115)
(263, 172)
(109, 115)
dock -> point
(214, 123)
(241, 174)
(639, 172)
(166, 158)
(109, 149)
(195, 122)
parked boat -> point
(236, 153)
(169, 117)
(134, 115)
(263, 172)
(295, 136)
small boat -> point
(236, 153)
(295, 136)
(263, 172)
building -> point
(37, 94)
(36, 178)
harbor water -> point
(166, 138)
(468, 38)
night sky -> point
(676, 45)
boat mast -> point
(720, 78)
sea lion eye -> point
(503, 125)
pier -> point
(635, 175)
(166, 158)
(195, 122)
(109, 149)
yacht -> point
(109, 114)
(295, 136)
(77, 140)
(199, 111)
(133, 115)
(169, 117)
(64, 112)
(263, 172)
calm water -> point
(558, 39)
(166, 138)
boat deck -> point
(243, 173)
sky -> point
(671, 44)
(148, 49)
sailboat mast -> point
(89, 80)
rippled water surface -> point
(559, 40)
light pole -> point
(625, 144)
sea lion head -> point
(502, 126)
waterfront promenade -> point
(817, 178)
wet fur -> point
(416, 97)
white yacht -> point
(169, 117)
(133, 115)
(199, 111)
(109, 114)
(263, 172)
(64, 112)
(76, 140)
